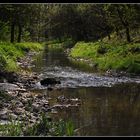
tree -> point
(123, 17)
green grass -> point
(11, 129)
(122, 57)
(56, 46)
(9, 53)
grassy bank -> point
(121, 57)
(10, 53)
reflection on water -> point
(58, 58)
(104, 110)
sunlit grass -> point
(110, 56)
(9, 53)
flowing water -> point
(109, 105)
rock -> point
(75, 101)
(19, 111)
(58, 106)
(35, 114)
(53, 111)
(8, 87)
(46, 105)
(6, 105)
(35, 77)
(24, 101)
(49, 81)
(10, 77)
(48, 109)
(3, 122)
(22, 117)
(19, 104)
(4, 114)
(13, 116)
(39, 96)
(36, 107)
(49, 89)
(61, 98)
(32, 121)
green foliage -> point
(69, 128)
(81, 22)
(2, 61)
(27, 46)
(9, 53)
(102, 49)
(119, 57)
(43, 128)
(11, 129)
(4, 31)
(60, 45)
(54, 41)
(56, 46)
(69, 43)
(47, 127)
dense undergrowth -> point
(10, 53)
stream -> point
(109, 105)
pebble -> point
(13, 116)
(36, 107)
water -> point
(109, 105)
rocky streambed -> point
(19, 102)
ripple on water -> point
(73, 78)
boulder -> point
(10, 77)
(49, 81)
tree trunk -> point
(19, 33)
(12, 32)
(109, 37)
(128, 34)
(125, 24)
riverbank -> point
(15, 78)
(11, 53)
(23, 111)
(108, 57)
